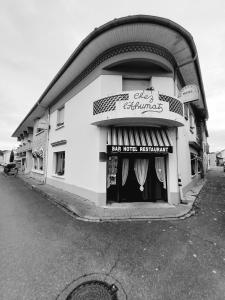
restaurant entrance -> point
(133, 178)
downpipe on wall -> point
(182, 200)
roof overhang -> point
(131, 29)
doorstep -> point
(85, 210)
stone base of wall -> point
(98, 198)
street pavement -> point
(43, 249)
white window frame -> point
(60, 117)
(39, 163)
(55, 173)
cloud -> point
(37, 37)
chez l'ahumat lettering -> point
(146, 107)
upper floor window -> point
(186, 111)
(130, 84)
(192, 122)
(60, 116)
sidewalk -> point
(84, 209)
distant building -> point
(220, 156)
(1, 157)
(6, 156)
(212, 159)
(124, 120)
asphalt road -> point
(43, 249)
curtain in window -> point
(125, 169)
(141, 170)
(160, 169)
(60, 163)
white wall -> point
(82, 142)
(84, 173)
(164, 85)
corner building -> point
(127, 115)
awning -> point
(138, 139)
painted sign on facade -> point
(189, 93)
(141, 103)
(139, 149)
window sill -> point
(58, 176)
(59, 127)
(39, 132)
(37, 171)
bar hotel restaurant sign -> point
(140, 104)
(139, 149)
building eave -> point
(136, 19)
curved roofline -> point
(115, 23)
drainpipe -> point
(46, 151)
(182, 200)
(178, 171)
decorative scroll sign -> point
(141, 102)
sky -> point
(38, 36)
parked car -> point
(11, 169)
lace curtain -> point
(160, 169)
(125, 169)
(141, 170)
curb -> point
(78, 215)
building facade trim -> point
(59, 143)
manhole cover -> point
(94, 290)
(94, 286)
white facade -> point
(124, 78)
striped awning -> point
(138, 139)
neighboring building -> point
(6, 156)
(220, 158)
(120, 123)
(212, 160)
(1, 158)
(24, 151)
